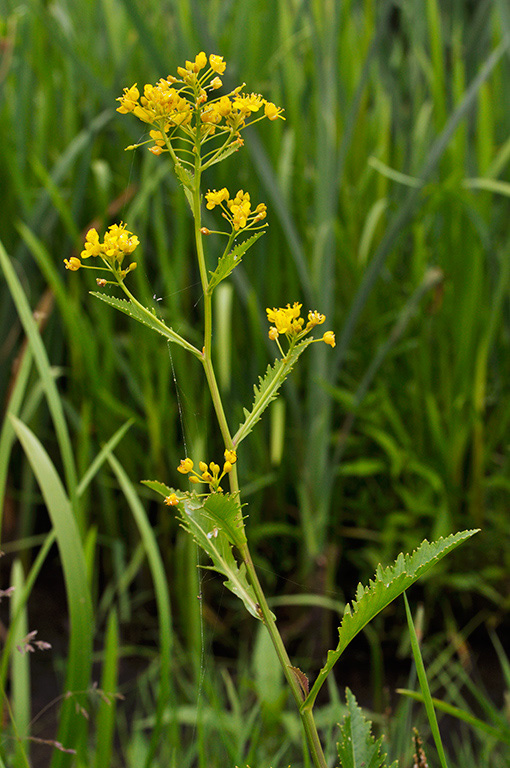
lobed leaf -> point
(223, 155)
(268, 388)
(387, 584)
(215, 522)
(228, 262)
(212, 525)
(358, 747)
(144, 316)
(158, 487)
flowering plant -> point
(195, 129)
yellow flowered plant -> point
(288, 322)
(237, 211)
(209, 473)
(183, 116)
(198, 128)
(118, 243)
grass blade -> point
(75, 575)
(422, 677)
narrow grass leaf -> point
(106, 714)
(43, 367)
(501, 734)
(162, 595)
(422, 678)
(75, 577)
(399, 222)
(20, 664)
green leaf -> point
(223, 509)
(146, 317)
(222, 156)
(358, 747)
(498, 733)
(81, 620)
(268, 388)
(229, 262)
(186, 179)
(161, 488)
(213, 523)
(424, 685)
(387, 584)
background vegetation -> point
(387, 190)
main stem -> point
(266, 614)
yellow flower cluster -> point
(184, 102)
(238, 210)
(118, 243)
(288, 322)
(209, 474)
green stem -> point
(269, 620)
(306, 715)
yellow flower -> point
(240, 208)
(217, 63)
(129, 100)
(287, 319)
(215, 198)
(315, 318)
(185, 466)
(215, 83)
(172, 500)
(224, 106)
(192, 68)
(248, 103)
(230, 456)
(329, 338)
(272, 112)
(118, 242)
(92, 244)
(73, 263)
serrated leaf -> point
(226, 153)
(161, 488)
(146, 317)
(186, 179)
(213, 533)
(227, 263)
(358, 747)
(387, 584)
(267, 389)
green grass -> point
(392, 162)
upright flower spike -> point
(237, 211)
(288, 322)
(183, 109)
(118, 243)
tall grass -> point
(393, 160)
